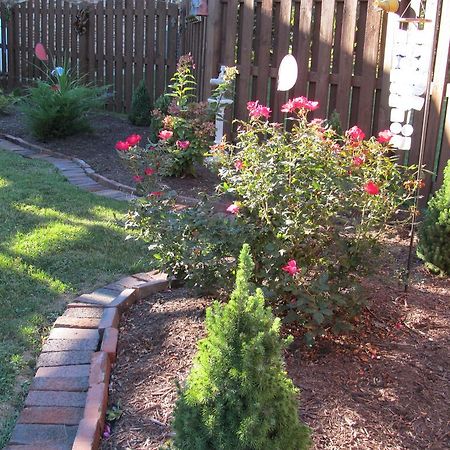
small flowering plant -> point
(310, 203)
(187, 129)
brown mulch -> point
(97, 149)
(384, 386)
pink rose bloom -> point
(122, 146)
(371, 188)
(183, 144)
(299, 103)
(149, 171)
(133, 139)
(238, 165)
(256, 110)
(384, 136)
(233, 208)
(138, 178)
(355, 134)
(358, 160)
(165, 134)
(291, 267)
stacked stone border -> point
(68, 398)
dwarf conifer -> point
(141, 106)
(238, 395)
(434, 233)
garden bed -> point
(385, 386)
(97, 149)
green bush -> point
(238, 395)
(434, 232)
(141, 107)
(311, 209)
(58, 107)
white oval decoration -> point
(287, 73)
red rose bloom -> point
(122, 146)
(149, 171)
(355, 134)
(358, 160)
(371, 188)
(134, 139)
(384, 136)
(291, 267)
(138, 178)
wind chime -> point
(410, 87)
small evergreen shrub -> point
(59, 106)
(141, 107)
(238, 395)
(434, 232)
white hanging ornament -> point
(287, 73)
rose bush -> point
(310, 203)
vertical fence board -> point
(128, 55)
(302, 46)
(139, 42)
(324, 57)
(245, 55)
(160, 48)
(150, 48)
(368, 70)
(263, 53)
(118, 55)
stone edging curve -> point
(66, 405)
(78, 171)
(68, 398)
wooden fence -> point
(340, 46)
(114, 42)
(340, 49)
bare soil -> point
(97, 149)
(384, 386)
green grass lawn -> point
(55, 241)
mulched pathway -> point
(97, 149)
(385, 386)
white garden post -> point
(223, 102)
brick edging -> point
(82, 164)
(88, 170)
(68, 399)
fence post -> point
(212, 57)
(11, 45)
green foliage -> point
(6, 102)
(311, 209)
(238, 395)
(162, 104)
(183, 130)
(335, 123)
(58, 107)
(434, 232)
(141, 106)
